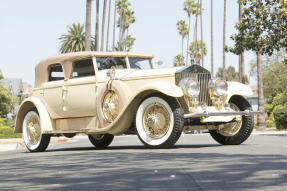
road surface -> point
(195, 163)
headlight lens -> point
(219, 86)
(190, 87)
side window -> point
(108, 62)
(56, 72)
(83, 68)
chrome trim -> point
(208, 114)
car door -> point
(53, 91)
(80, 100)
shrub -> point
(269, 123)
(6, 132)
(280, 116)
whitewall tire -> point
(32, 135)
(159, 122)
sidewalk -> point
(18, 144)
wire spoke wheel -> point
(232, 128)
(34, 140)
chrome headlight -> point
(190, 87)
(219, 86)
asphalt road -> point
(195, 163)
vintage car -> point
(104, 94)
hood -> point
(149, 72)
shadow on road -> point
(135, 167)
(130, 147)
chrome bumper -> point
(231, 113)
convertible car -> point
(104, 94)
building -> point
(14, 85)
(253, 100)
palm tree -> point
(103, 24)
(74, 41)
(97, 35)
(183, 31)
(201, 31)
(211, 33)
(224, 40)
(261, 117)
(241, 56)
(108, 29)
(190, 7)
(114, 28)
(122, 7)
(197, 50)
(129, 18)
(88, 25)
(178, 60)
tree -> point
(88, 25)
(5, 101)
(114, 27)
(126, 44)
(1, 75)
(191, 8)
(108, 29)
(74, 40)
(178, 60)
(103, 24)
(126, 17)
(183, 31)
(261, 29)
(241, 64)
(283, 6)
(224, 42)
(122, 8)
(197, 50)
(231, 74)
(97, 34)
(211, 38)
(201, 33)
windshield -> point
(140, 63)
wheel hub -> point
(231, 129)
(110, 106)
(33, 130)
(156, 120)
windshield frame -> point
(150, 63)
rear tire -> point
(244, 130)
(159, 122)
(32, 135)
(101, 141)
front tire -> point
(159, 122)
(101, 141)
(237, 132)
(32, 135)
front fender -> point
(47, 123)
(163, 87)
(236, 88)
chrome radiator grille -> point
(202, 76)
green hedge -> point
(280, 116)
(6, 131)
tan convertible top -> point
(41, 69)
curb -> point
(18, 143)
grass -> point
(6, 131)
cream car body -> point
(69, 104)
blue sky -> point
(29, 31)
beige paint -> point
(47, 124)
(75, 105)
(236, 88)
